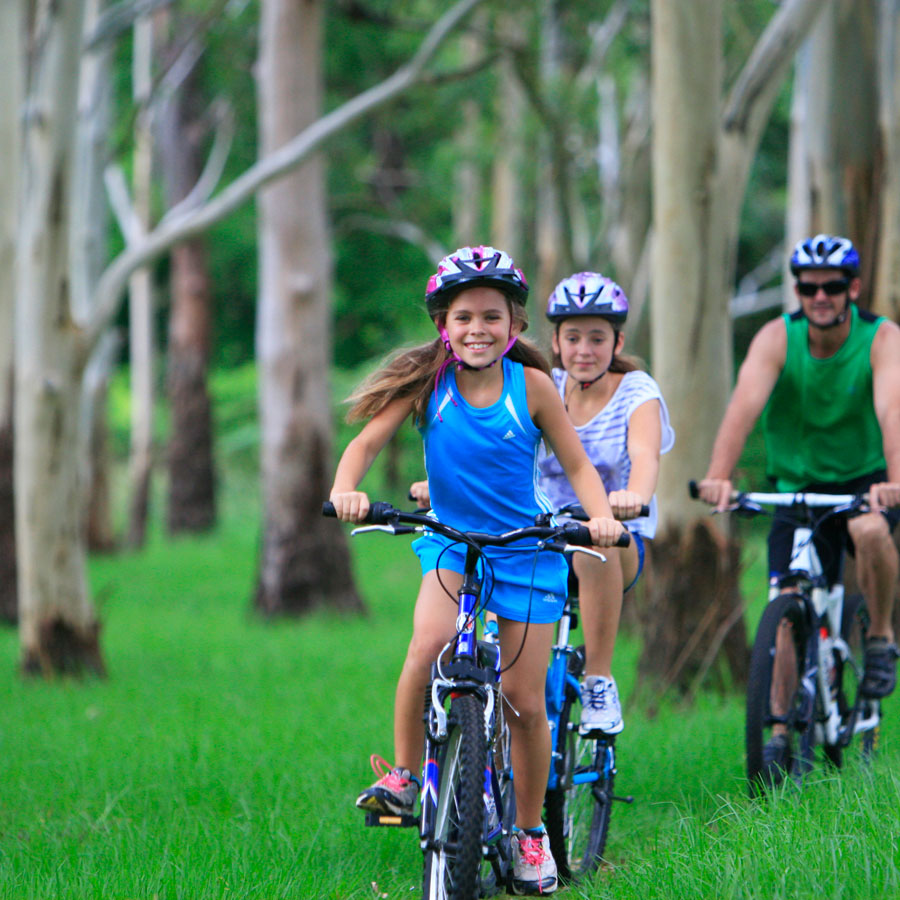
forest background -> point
(215, 217)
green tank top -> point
(819, 424)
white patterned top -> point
(605, 438)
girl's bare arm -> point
(350, 504)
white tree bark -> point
(11, 43)
(887, 281)
(304, 560)
(58, 626)
(701, 163)
(506, 172)
(140, 292)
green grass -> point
(221, 757)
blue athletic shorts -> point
(642, 552)
(517, 588)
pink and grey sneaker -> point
(534, 870)
(395, 791)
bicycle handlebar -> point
(570, 532)
(753, 501)
(576, 511)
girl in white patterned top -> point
(622, 420)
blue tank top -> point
(482, 462)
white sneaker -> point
(600, 707)
(534, 870)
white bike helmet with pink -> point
(470, 267)
(588, 294)
(474, 267)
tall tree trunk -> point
(90, 233)
(140, 296)
(887, 282)
(58, 627)
(192, 482)
(468, 176)
(507, 226)
(11, 43)
(701, 164)
(305, 561)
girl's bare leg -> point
(600, 596)
(526, 713)
(434, 623)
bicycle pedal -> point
(389, 820)
(628, 799)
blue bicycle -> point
(579, 798)
(467, 798)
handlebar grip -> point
(645, 511)
(580, 536)
(379, 513)
(694, 489)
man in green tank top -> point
(826, 381)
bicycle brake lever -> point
(387, 529)
(573, 548)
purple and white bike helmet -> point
(825, 251)
(474, 267)
(588, 294)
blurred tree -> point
(11, 44)
(702, 154)
(58, 626)
(60, 323)
(304, 558)
(886, 300)
(140, 289)
(182, 129)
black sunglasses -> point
(831, 288)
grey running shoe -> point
(881, 668)
(534, 871)
(394, 792)
(600, 707)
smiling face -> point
(822, 308)
(586, 346)
(480, 325)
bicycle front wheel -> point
(577, 812)
(782, 615)
(453, 857)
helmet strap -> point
(839, 319)
(453, 357)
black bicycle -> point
(467, 797)
(806, 666)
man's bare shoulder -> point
(769, 344)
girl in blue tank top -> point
(483, 401)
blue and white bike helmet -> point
(588, 294)
(474, 267)
(825, 251)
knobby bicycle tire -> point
(783, 608)
(452, 863)
(496, 864)
(854, 627)
(577, 814)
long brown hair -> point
(411, 373)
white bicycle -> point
(820, 635)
